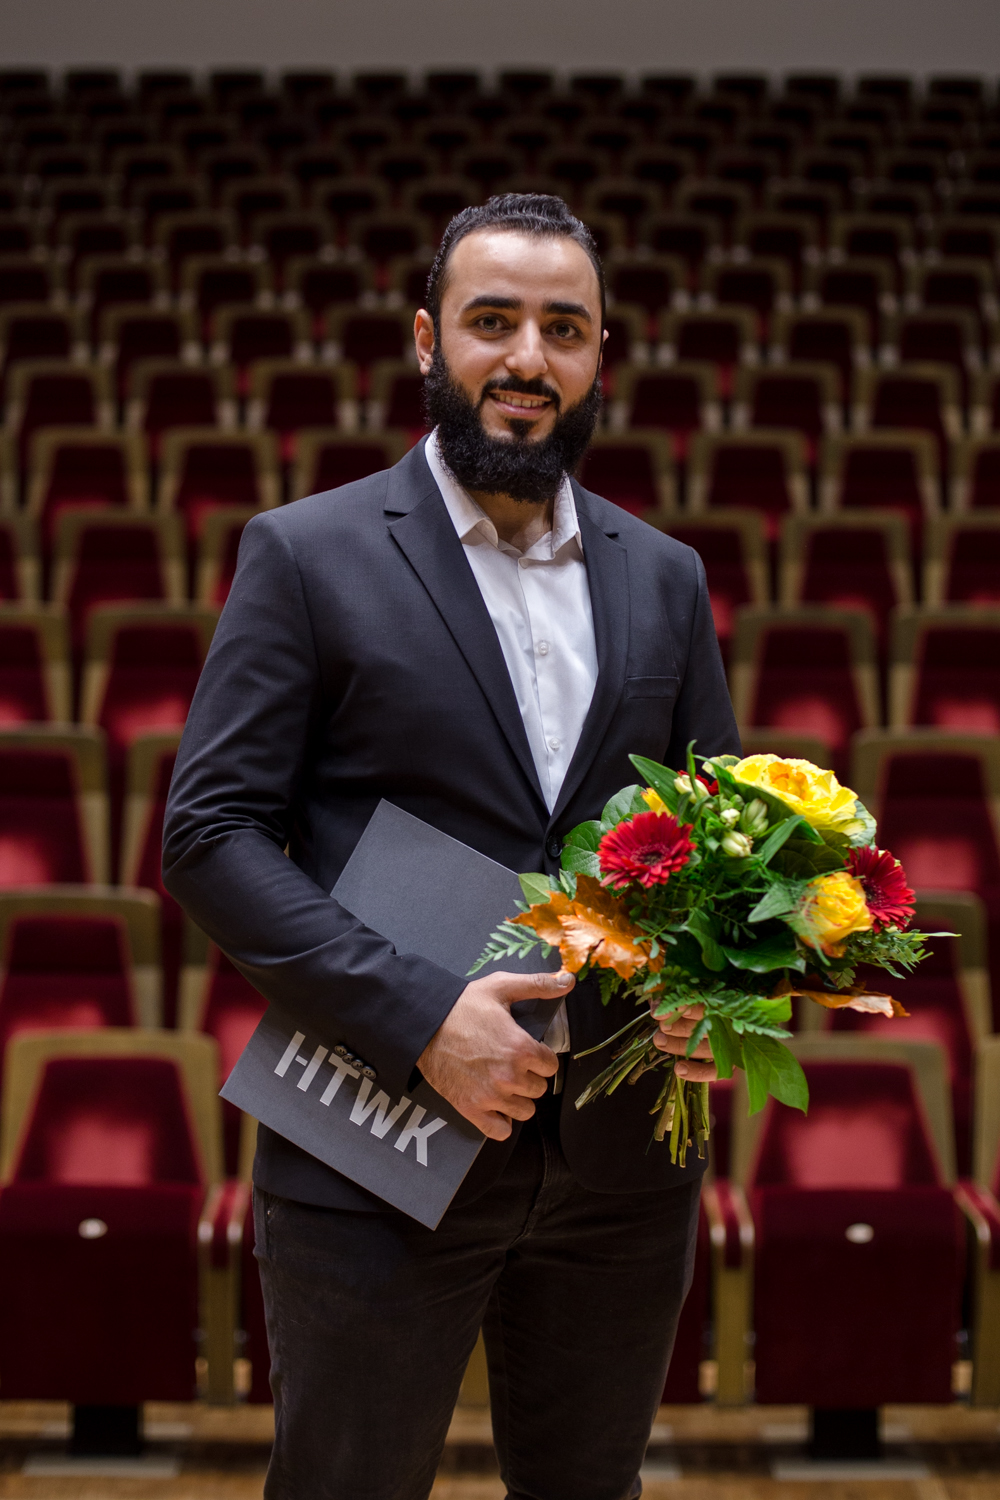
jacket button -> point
(554, 847)
(367, 1072)
(341, 1050)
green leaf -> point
(777, 837)
(581, 862)
(867, 834)
(800, 859)
(777, 952)
(660, 778)
(622, 805)
(727, 1048)
(585, 836)
(536, 888)
(699, 924)
(772, 1069)
(776, 1008)
(778, 900)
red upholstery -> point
(670, 401)
(853, 286)
(885, 478)
(84, 475)
(64, 971)
(149, 874)
(690, 1343)
(849, 569)
(805, 686)
(259, 335)
(934, 999)
(41, 834)
(751, 477)
(151, 335)
(23, 699)
(232, 1010)
(37, 335)
(367, 337)
(718, 340)
(721, 551)
(405, 404)
(974, 567)
(853, 1321)
(323, 286)
(789, 400)
(117, 284)
(958, 680)
(10, 587)
(213, 476)
(220, 285)
(909, 401)
(829, 342)
(625, 475)
(342, 463)
(98, 1265)
(178, 398)
(153, 673)
(114, 564)
(63, 400)
(301, 400)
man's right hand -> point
(482, 1062)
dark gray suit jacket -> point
(355, 660)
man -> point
(476, 638)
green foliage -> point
(509, 942)
(624, 804)
(660, 778)
(776, 952)
(867, 834)
(804, 859)
(772, 1069)
(536, 888)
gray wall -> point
(918, 36)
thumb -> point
(545, 986)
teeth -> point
(526, 401)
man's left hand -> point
(675, 1032)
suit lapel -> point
(424, 533)
(607, 577)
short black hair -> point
(519, 213)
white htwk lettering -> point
(289, 1053)
(383, 1122)
(419, 1134)
(341, 1072)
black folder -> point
(428, 894)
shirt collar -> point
(472, 523)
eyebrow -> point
(514, 304)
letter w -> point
(363, 1107)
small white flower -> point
(754, 820)
(731, 816)
(737, 845)
(682, 784)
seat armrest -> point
(982, 1210)
(730, 1224)
(220, 1259)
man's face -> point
(520, 329)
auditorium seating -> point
(109, 1145)
(207, 291)
(838, 1230)
(978, 1197)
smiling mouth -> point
(514, 403)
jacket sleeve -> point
(259, 702)
(703, 711)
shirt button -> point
(554, 744)
(542, 648)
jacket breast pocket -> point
(651, 687)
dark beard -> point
(514, 466)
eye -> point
(489, 323)
(565, 330)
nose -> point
(527, 357)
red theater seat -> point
(678, 400)
(848, 1238)
(327, 458)
(763, 471)
(946, 669)
(948, 998)
(885, 471)
(165, 393)
(836, 338)
(35, 678)
(217, 1000)
(847, 560)
(218, 551)
(109, 1145)
(934, 796)
(724, 339)
(286, 397)
(396, 398)
(732, 547)
(54, 393)
(806, 671)
(318, 285)
(19, 561)
(148, 770)
(962, 560)
(129, 334)
(75, 470)
(115, 559)
(978, 1196)
(804, 397)
(202, 472)
(242, 335)
(53, 806)
(975, 481)
(631, 469)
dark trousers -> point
(371, 1319)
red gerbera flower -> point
(646, 848)
(883, 879)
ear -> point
(423, 338)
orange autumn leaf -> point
(868, 1002)
(592, 929)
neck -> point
(520, 523)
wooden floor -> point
(720, 1455)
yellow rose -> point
(803, 787)
(654, 801)
(833, 907)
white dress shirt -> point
(539, 602)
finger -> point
(696, 1072)
(510, 987)
(494, 1125)
(677, 1026)
(542, 1062)
(519, 1108)
(679, 1045)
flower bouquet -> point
(734, 890)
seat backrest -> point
(946, 669)
(327, 457)
(203, 470)
(631, 469)
(117, 1106)
(74, 469)
(34, 664)
(53, 806)
(879, 1117)
(986, 1129)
